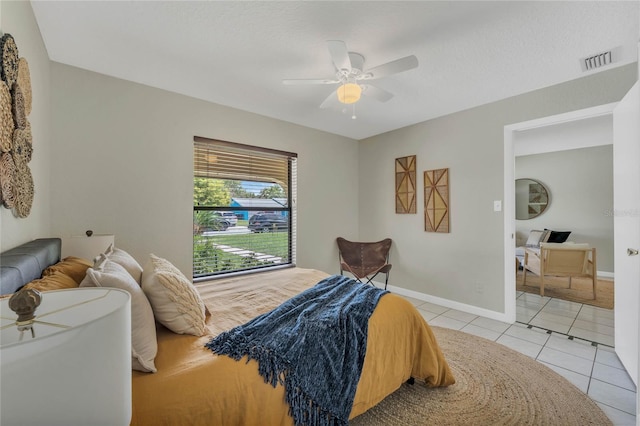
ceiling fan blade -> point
(394, 67)
(330, 100)
(376, 93)
(339, 54)
(297, 82)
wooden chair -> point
(561, 260)
(365, 260)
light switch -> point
(497, 206)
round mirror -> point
(532, 198)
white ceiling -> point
(237, 53)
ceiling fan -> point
(353, 78)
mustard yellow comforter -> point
(195, 387)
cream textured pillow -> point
(144, 346)
(125, 260)
(536, 237)
(175, 301)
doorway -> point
(516, 137)
(567, 153)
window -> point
(243, 207)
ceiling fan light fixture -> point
(349, 93)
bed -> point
(193, 386)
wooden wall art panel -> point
(406, 184)
(436, 200)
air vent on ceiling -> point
(600, 60)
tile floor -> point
(573, 319)
(593, 368)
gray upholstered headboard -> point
(26, 262)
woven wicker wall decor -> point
(6, 118)
(436, 200)
(16, 144)
(7, 180)
(24, 81)
(406, 184)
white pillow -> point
(536, 237)
(144, 346)
(175, 301)
(125, 260)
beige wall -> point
(580, 182)
(123, 164)
(466, 265)
(18, 20)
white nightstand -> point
(84, 246)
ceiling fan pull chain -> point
(353, 116)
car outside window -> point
(229, 217)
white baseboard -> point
(452, 304)
(607, 275)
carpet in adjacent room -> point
(581, 290)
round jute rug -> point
(494, 385)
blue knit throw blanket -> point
(314, 344)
